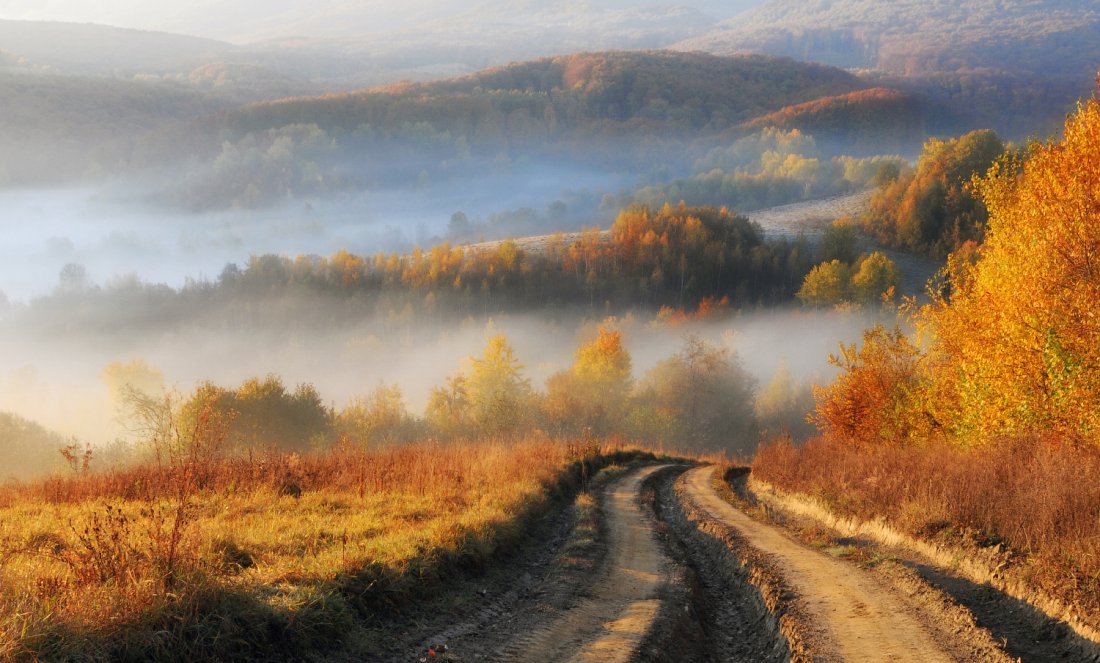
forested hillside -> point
(873, 121)
(57, 127)
(604, 94)
(624, 112)
(1044, 37)
(979, 57)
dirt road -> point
(610, 625)
(857, 618)
(673, 572)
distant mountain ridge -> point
(99, 49)
(1037, 37)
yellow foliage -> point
(604, 361)
(592, 396)
(1018, 341)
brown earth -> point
(857, 620)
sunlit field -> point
(253, 554)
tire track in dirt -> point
(858, 619)
(610, 625)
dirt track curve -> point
(858, 620)
(610, 625)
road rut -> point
(857, 618)
(611, 624)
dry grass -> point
(278, 556)
(1037, 498)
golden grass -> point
(279, 554)
(1038, 498)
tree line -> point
(650, 258)
(699, 399)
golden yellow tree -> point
(1018, 337)
(593, 393)
(500, 396)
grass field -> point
(281, 555)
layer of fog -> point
(59, 383)
(112, 235)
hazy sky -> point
(245, 20)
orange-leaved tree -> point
(877, 398)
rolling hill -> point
(601, 106)
(868, 121)
(98, 49)
(559, 97)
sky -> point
(242, 21)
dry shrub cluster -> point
(1037, 497)
(273, 555)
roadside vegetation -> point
(983, 426)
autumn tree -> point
(449, 413)
(265, 414)
(827, 284)
(499, 395)
(593, 394)
(378, 418)
(1017, 338)
(877, 397)
(873, 278)
(701, 398)
(137, 374)
(932, 209)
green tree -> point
(838, 242)
(826, 285)
(784, 406)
